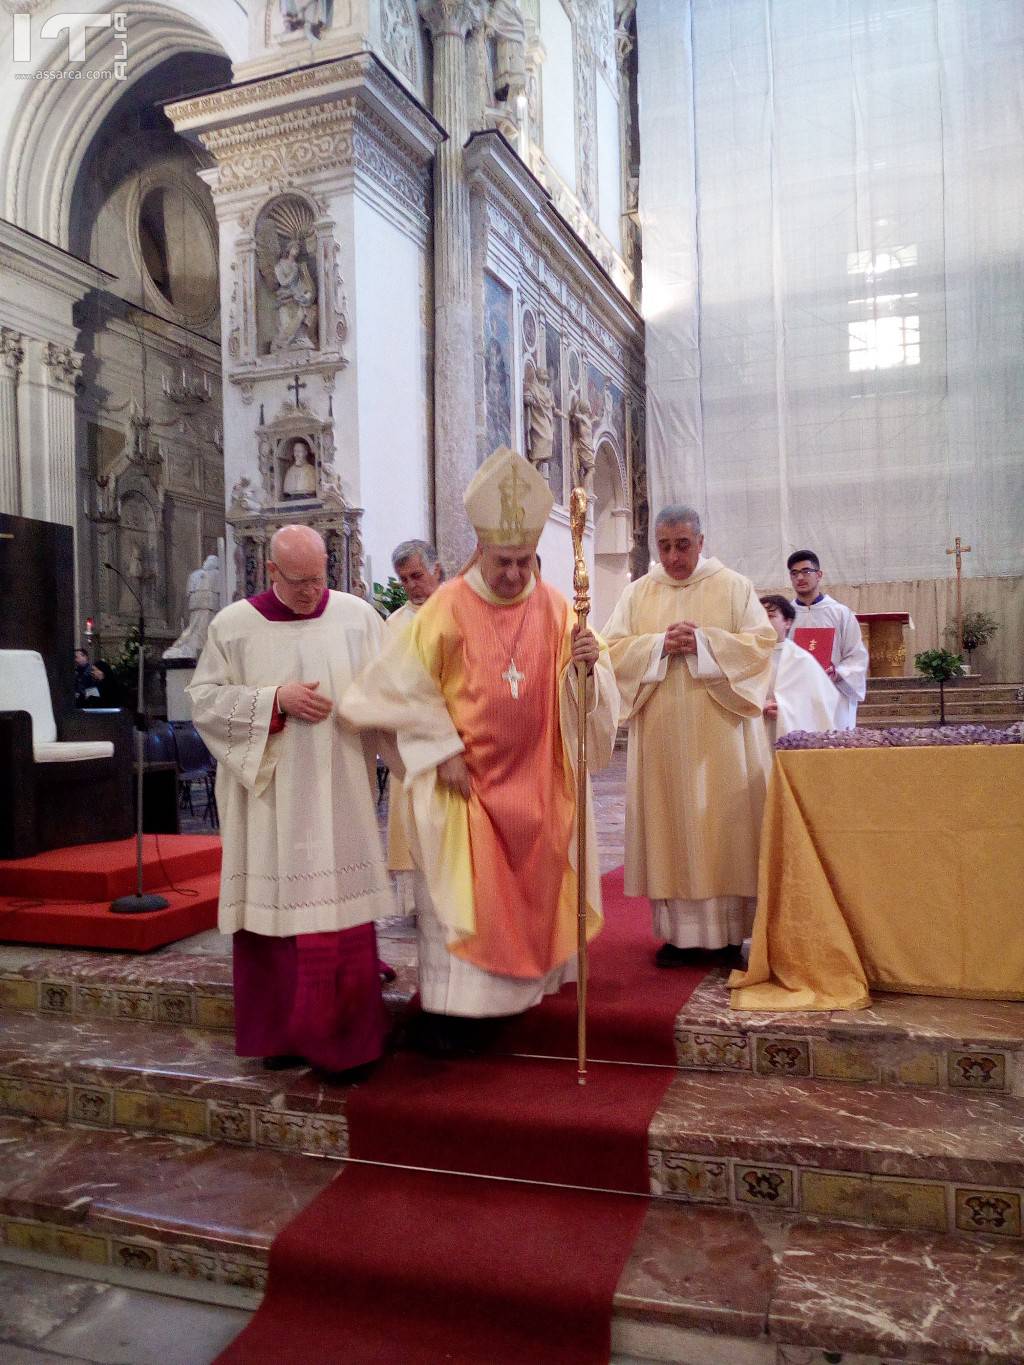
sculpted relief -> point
(287, 311)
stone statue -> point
(581, 428)
(295, 302)
(312, 16)
(504, 23)
(540, 410)
(300, 477)
(203, 604)
(244, 499)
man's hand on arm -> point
(303, 701)
(453, 773)
(680, 638)
(585, 648)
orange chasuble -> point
(523, 800)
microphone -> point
(107, 565)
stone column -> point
(63, 366)
(455, 455)
(11, 356)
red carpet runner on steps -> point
(392, 1266)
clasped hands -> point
(680, 638)
(303, 701)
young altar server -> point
(481, 695)
(816, 610)
(801, 696)
(303, 875)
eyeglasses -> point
(804, 573)
(319, 581)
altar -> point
(883, 633)
(900, 869)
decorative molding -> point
(64, 365)
(450, 18)
(12, 353)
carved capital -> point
(450, 18)
(64, 365)
(12, 353)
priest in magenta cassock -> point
(691, 647)
(303, 876)
(480, 693)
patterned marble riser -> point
(886, 1158)
(963, 1047)
(172, 988)
(699, 1287)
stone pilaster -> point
(63, 368)
(449, 22)
(11, 356)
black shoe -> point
(441, 1035)
(668, 955)
(353, 1075)
(282, 1063)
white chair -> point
(61, 782)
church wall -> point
(389, 375)
(566, 315)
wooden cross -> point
(513, 677)
(959, 550)
(296, 385)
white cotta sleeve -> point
(233, 719)
(852, 664)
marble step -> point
(881, 1156)
(964, 1047)
(699, 1285)
(173, 987)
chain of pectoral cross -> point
(512, 674)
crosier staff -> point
(581, 606)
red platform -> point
(63, 897)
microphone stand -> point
(140, 901)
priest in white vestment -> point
(802, 696)
(816, 610)
(303, 875)
(691, 646)
(480, 693)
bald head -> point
(298, 567)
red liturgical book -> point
(817, 640)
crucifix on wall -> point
(295, 386)
(959, 550)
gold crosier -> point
(581, 606)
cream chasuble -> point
(698, 757)
(302, 853)
(490, 678)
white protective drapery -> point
(832, 201)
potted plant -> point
(939, 665)
(387, 598)
(978, 629)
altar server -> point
(816, 610)
(802, 697)
(303, 874)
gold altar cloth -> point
(901, 869)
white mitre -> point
(508, 501)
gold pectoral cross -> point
(513, 677)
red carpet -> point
(63, 897)
(397, 1267)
